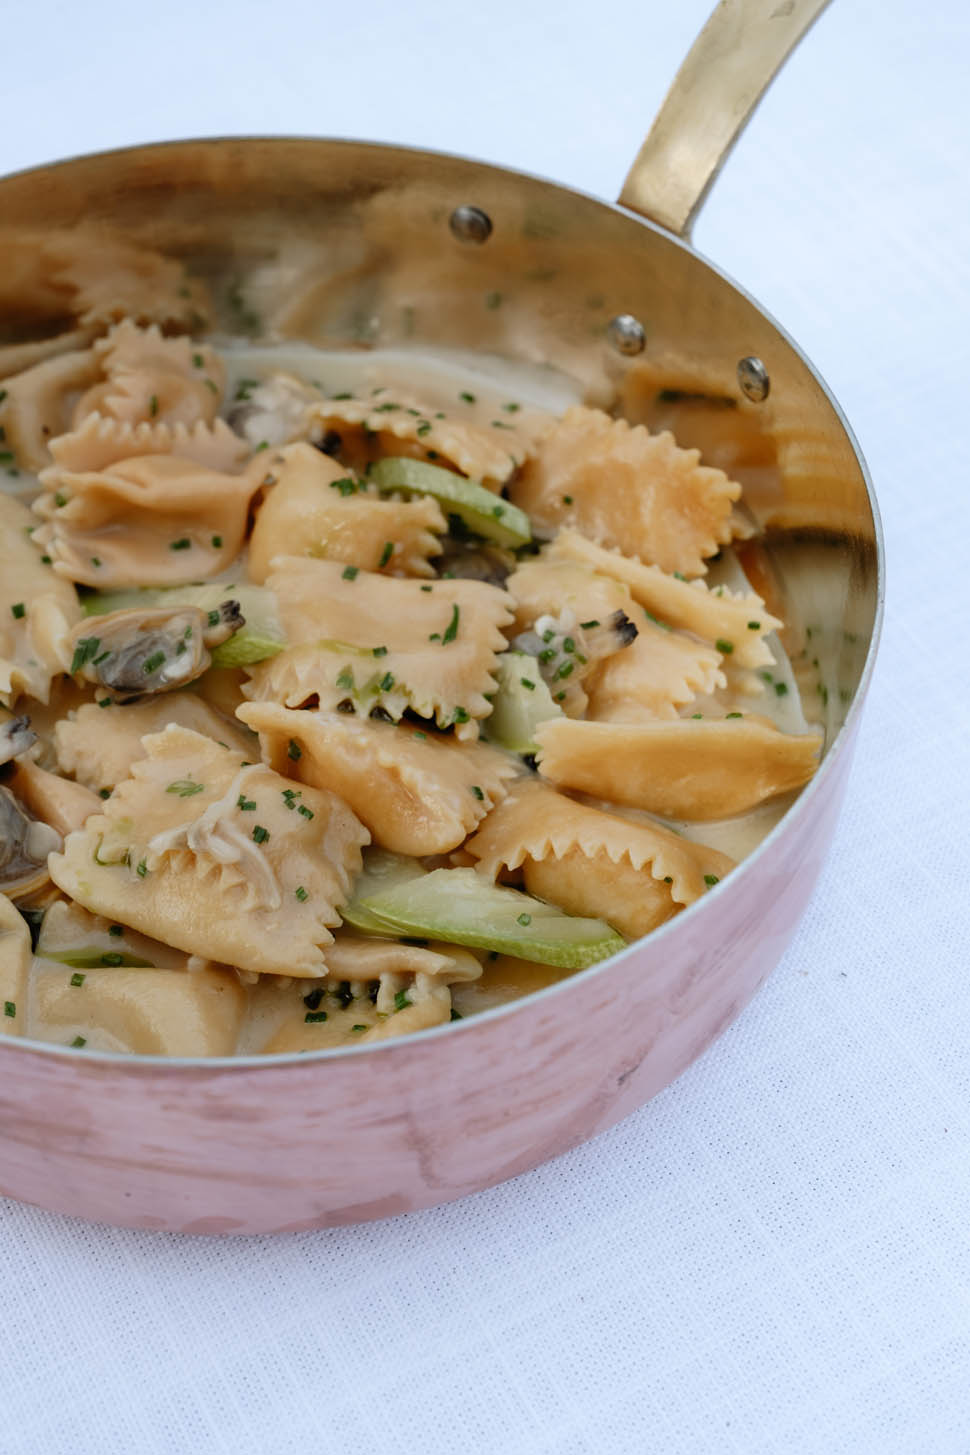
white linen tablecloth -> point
(774, 1256)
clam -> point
(16, 736)
(151, 649)
(25, 843)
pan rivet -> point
(470, 224)
(626, 334)
(753, 378)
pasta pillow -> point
(627, 489)
(218, 857)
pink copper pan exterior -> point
(295, 1142)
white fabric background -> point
(774, 1255)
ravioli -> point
(378, 642)
(314, 508)
(628, 490)
(712, 769)
(633, 875)
(417, 792)
(217, 858)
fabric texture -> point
(775, 1254)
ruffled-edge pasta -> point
(418, 792)
(217, 858)
(98, 745)
(37, 610)
(396, 989)
(589, 862)
(377, 641)
(14, 969)
(739, 618)
(99, 442)
(658, 673)
(148, 377)
(629, 490)
(156, 520)
(314, 508)
(699, 770)
(396, 424)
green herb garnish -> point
(185, 788)
(260, 834)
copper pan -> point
(393, 246)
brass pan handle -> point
(727, 71)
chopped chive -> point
(425, 588)
(105, 701)
(358, 1028)
(754, 626)
(422, 736)
(460, 714)
(379, 651)
(350, 572)
(141, 868)
(18, 611)
(478, 793)
(548, 635)
(182, 544)
(724, 647)
(313, 1016)
(386, 553)
(79, 1041)
(345, 485)
(560, 697)
(185, 788)
(679, 575)
(526, 683)
(60, 499)
(781, 688)
(294, 750)
(735, 714)
(260, 834)
(568, 644)
(10, 1008)
(85, 651)
(451, 631)
(401, 1000)
(668, 879)
(211, 384)
(153, 663)
(710, 880)
(695, 715)
(345, 679)
(153, 405)
(386, 682)
(306, 812)
(245, 804)
(46, 560)
(588, 626)
(511, 408)
(104, 792)
(566, 669)
(423, 428)
(95, 561)
(216, 542)
(524, 919)
(567, 500)
(468, 398)
(198, 361)
(116, 930)
(498, 511)
(301, 894)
